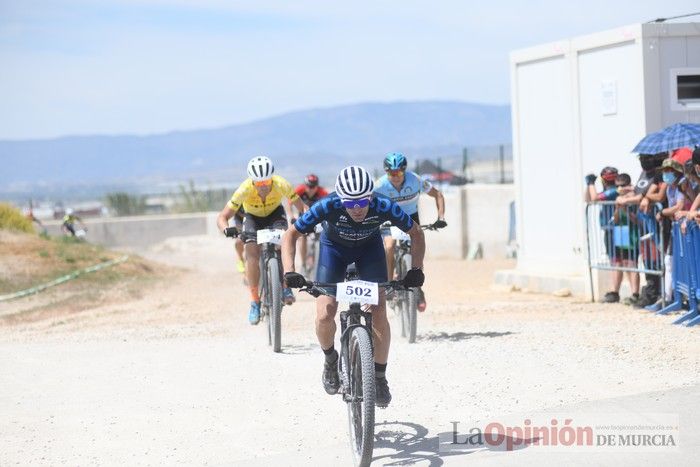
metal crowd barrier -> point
(622, 238)
(686, 273)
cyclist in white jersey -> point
(404, 187)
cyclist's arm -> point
(417, 245)
(222, 219)
(289, 248)
(299, 204)
(439, 202)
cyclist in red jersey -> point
(309, 192)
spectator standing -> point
(625, 241)
(672, 173)
(648, 190)
(609, 193)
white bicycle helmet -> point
(260, 168)
(354, 182)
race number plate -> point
(358, 292)
(398, 234)
(270, 236)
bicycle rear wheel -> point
(362, 396)
(275, 285)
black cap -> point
(696, 155)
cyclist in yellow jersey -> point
(261, 196)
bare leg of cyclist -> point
(239, 252)
(252, 252)
(381, 330)
(382, 340)
(326, 308)
(389, 251)
(252, 270)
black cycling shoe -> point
(330, 377)
(383, 396)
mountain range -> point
(320, 140)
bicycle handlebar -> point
(317, 288)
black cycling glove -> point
(231, 232)
(590, 179)
(440, 224)
(414, 278)
(294, 280)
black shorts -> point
(238, 219)
(415, 218)
(251, 224)
(625, 254)
(369, 258)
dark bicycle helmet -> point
(395, 161)
(311, 180)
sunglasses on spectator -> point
(355, 203)
(395, 172)
(263, 183)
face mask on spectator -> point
(668, 177)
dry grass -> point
(28, 260)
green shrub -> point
(12, 219)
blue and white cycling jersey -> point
(407, 196)
(339, 227)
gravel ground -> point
(176, 375)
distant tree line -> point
(188, 199)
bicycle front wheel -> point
(273, 281)
(362, 396)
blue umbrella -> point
(679, 135)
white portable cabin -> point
(581, 104)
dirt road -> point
(178, 376)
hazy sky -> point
(144, 66)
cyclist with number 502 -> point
(351, 218)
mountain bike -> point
(356, 357)
(405, 302)
(270, 282)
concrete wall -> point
(142, 231)
(475, 214)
